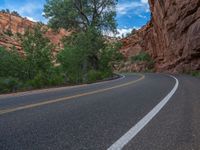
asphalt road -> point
(137, 112)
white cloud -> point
(31, 19)
(144, 1)
(137, 7)
(121, 32)
(142, 16)
(123, 8)
(27, 9)
(43, 14)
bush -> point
(19, 35)
(81, 54)
(195, 73)
(38, 52)
(53, 78)
(143, 56)
(86, 55)
(86, 58)
(109, 56)
(56, 80)
(56, 77)
(37, 82)
(133, 31)
(93, 76)
(5, 11)
(9, 84)
(41, 80)
(35, 69)
(106, 74)
(8, 32)
(11, 64)
(15, 13)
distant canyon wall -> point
(172, 37)
(16, 24)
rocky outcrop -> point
(172, 37)
(10, 42)
(11, 24)
(14, 23)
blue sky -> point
(130, 13)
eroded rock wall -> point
(172, 37)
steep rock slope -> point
(172, 37)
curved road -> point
(135, 112)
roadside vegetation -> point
(86, 57)
(7, 11)
(143, 57)
(194, 73)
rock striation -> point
(172, 37)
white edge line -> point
(128, 136)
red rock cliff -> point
(17, 24)
(172, 37)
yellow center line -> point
(5, 111)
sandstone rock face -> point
(14, 23)
(172, 37)
(17, 24)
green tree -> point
(85, 52)
(81, 53)
(110, 56)
(3, 11)
(38, 52)
(15, 13)
(133, 31)
(11, 64)
(81, 14)
(87, 56)
(11, 70)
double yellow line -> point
(5, 111)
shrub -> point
(19, 35)
(38, 51)
(56, 80)
(109, 56)
(56, 77)
(195, 73)
(37, 82)
(53, 78)
(5, 11)
(93, 76)
(15, 13)
(143, 56)
(134, 31)
(81, 54)
(106, 74)
(8, 32)
(11, 64)
(86, 51)
(9, 84)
